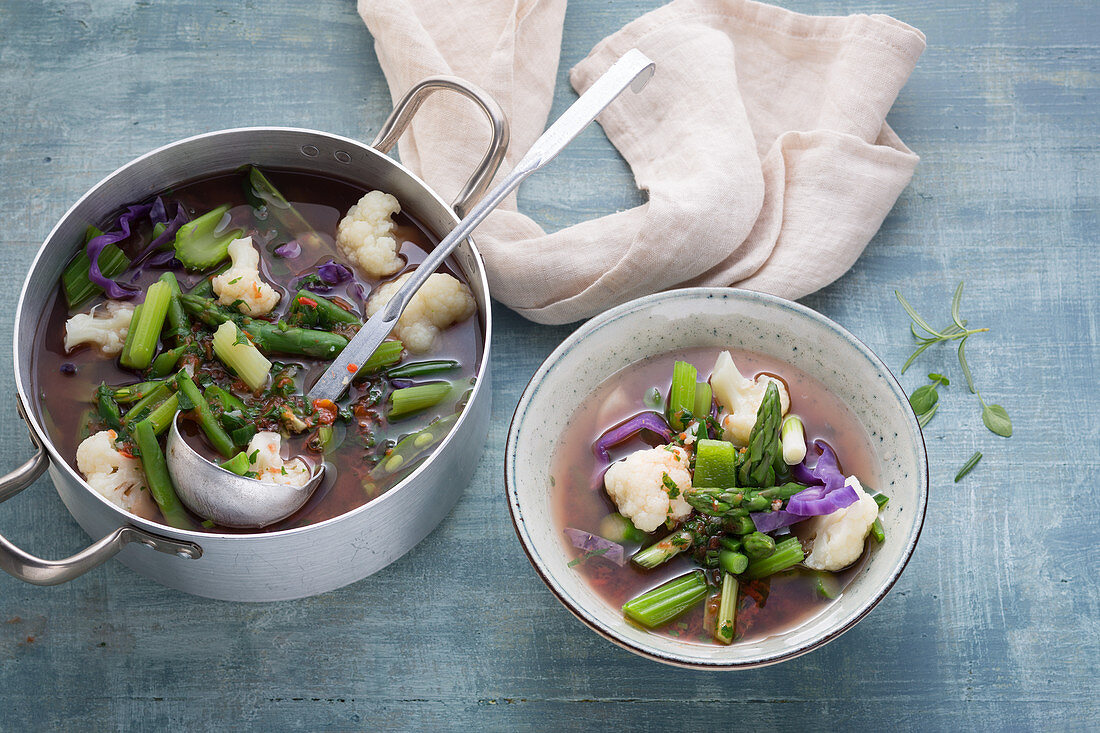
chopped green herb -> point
(968, 466)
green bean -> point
(209, 424)
(157, 477)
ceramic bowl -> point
(728, 318)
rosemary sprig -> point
(995, 417)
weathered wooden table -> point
(993, 625)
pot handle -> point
(407, 106)
(37, 571)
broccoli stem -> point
(157, 477)
(199, 245)
(667, 601)
(663, 550)
(725, 623)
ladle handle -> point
(406, 107)
(633, 70)
(37, 571)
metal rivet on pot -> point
(310, 150)
(342, 156)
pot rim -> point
(652, 651)
(124, 517)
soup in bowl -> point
(716, 478)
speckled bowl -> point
(719, 317)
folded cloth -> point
(761, 142)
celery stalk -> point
(235, 350)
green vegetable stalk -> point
(667, 601)
(764, 442)
(157, 477)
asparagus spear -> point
(788, 553)
(728, 502)
(764, 443)
(310, 309)
(268, 337)
(758, 546)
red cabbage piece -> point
(830, 496)
(333, 272)
(827, 494)
(97, 245)
(290, 250)
(650, 421)
(598, 546)
(157, 213)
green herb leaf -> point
(924, 398)
(955, 302)
(653, 399)
(916, 316)
(939, 379)
(185, 402)
(996, 419)
(966, 367)
(585, 556)
(924, 419)
(968, 466)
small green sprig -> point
(995, 417)
(925, 400)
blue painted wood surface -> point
(993, 625)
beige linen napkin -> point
(761, 142)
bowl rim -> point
(57, 460)
(650, 651)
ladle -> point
(236, 501)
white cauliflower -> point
(105, 325)
(365, 235)
(242, 284)
(838, 537)
(637, 486)
(441, 302)
(114, 474)
(740, 397)
(265, 458)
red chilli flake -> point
(353, 368)
(310, 302)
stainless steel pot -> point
(292, 563)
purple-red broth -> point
(65, 383)
(765, 607)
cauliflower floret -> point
(741, 398)
(838, 537)
(266, 460)
(441, 302)
(637, 486)
(365, 235)
(105, 325)
(114, 474)
(242, 284)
